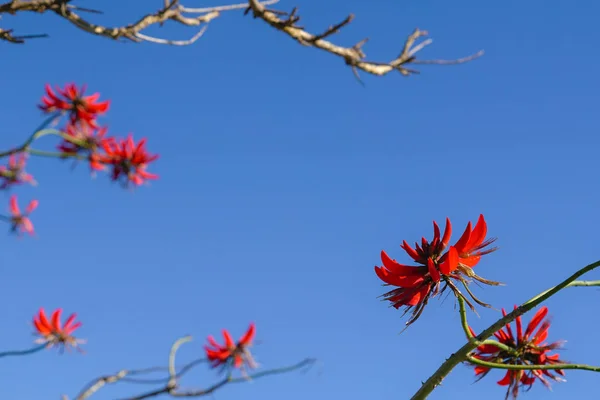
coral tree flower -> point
(21, 222)
(416, 284)
(527, 348)
(85, 139)
(53, 333)
(128, 160)
(231, 354)
(14, 173)
(72, 100)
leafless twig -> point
(170, 383)
(171, 11)
(353, 56)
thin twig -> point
(170, 386)
(529, 367)
(286, 22)
(171, 11)
(353, 56)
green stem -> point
(22, 352)
(462, 310)
(42, 153)
(461, 354)
(531, 366)
(465, 325)
(584, 283)
(35, 135)
(38, 134)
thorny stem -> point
(22, 352)
(532, 366)
(461, 354)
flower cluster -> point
(82, 138)
(527, 347)
(439, 264)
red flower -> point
(527, 348)
(129, 160)
(21, 222)
(85, 139)
(79, 107)
(53, 333)
(231, 354)
(14, 173)
(416, 284)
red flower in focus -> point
(416, 284)
(129, 160)
(79, 107)
(53, 333)
(21, 222)
(231, 354)
(85, 139)
(527, 348)
(14, 173)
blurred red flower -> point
(21, 222)
(14, 173)
(231, 354)
(53, 333)
(527, 348)
(73, 101)
(416, 284)
(128, 160)
(85, 139)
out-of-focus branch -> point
(171, 11)
(27, 352)
(353, 56)
(170, 384)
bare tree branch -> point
(171, 11)
(170, 384)
(354, 56)
(287, 23)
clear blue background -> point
(281, 181)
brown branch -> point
(7, 36)
(171, 11)
(170, 384)
(353, 56)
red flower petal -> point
(535, 321)
(396, 268)
(248, 336)
(450, 264)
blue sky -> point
(281, 181)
